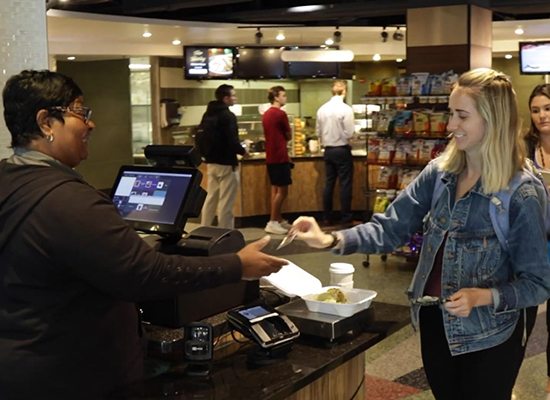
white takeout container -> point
(294, 281)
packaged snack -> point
(404, 86)
(403, 122)
(389, 87)
(414, 154)
(383, 120)
(384, 178)
(419, 81)
(402, 150)
(421, 121)
(437, 84)
(408, 177)
(425, 154)
(381, 202)
(439, 148)
(387, 151)
(438, 123)
(375, 88)
(450, 81)
(374, 150)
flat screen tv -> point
(313, 69)
(203, 62)
(534, 57)
(260, 63)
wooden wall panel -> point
(340, 383)
(438, 59)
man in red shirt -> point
(277, 132)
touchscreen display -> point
(254, 312)
(154, 197)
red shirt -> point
(275, 123)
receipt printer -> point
(195, 306)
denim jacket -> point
(472, 258)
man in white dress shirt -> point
(335, 127)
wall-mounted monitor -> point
(260, 63)
(203, 62)
(534, 57)
(314, 69)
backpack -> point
(206, 136)
(500, 202)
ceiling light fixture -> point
(376, 57)
(399, 60)
(176, 42)
(337, 36)
(280, 36)
(139, 66)
(71, 58)
(302, 9)
(258, 36)
(147, 34)
(508, 56)
(384, 35)
(519, 31)
(329, 42)
(398, 35)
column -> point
(23, 45)
(456, 36)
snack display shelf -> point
(407, 165)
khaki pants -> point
(223, 184)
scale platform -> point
(325, 325)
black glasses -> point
(84, 112)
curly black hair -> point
(28, 92)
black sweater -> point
(228, 146)
(70, 270)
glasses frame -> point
(77, 110)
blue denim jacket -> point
(472, 258)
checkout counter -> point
(195, 350)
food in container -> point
(333, 295)
(294, 281)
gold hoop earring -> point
(50, 138)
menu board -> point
(209, 62)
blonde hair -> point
(339, 87)
(502, 149)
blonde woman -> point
(472, 326)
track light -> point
(258, 36)
(337, 36)
(398, 35)
(384, 35)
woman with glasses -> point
(71, 269)
(470, 288)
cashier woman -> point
(71, 269)
(472, 329)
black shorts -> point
(279, 174)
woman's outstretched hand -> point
(308, 230)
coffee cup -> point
(341, 274)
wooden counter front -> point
(304, 195)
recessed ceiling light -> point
(176, 42)
(323, 46)
(280, 36)
(147, 34)
(329, 42)
(71, 58)
(508, 56)
(139, 66)
(311, 8)
(271, 51)
(376, 57)
(399, 60)
(519, 31)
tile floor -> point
(394, 367)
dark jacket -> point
(228, 146)
(70, 272)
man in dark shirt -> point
(277, 132)
(223, 174)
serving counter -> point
(314, 369)
(305, 195)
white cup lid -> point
(342, 268)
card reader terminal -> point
(263, 324)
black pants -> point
(338, 164)
(482, 375)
